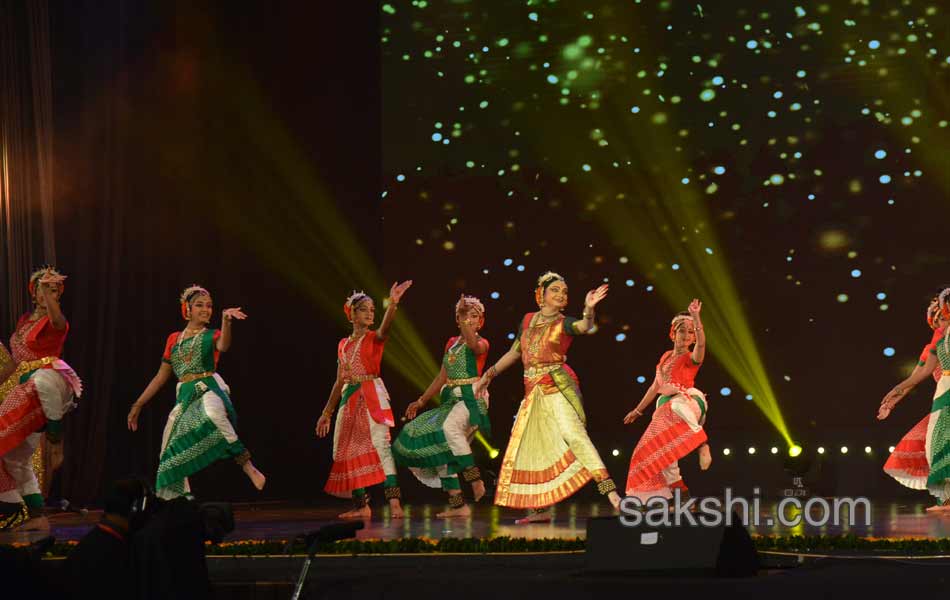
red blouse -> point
(42, 339)
(682, 372)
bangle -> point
(637, 410)
(328, 412)
(492, 372)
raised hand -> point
(595, 296)
(695, 307)
(397, 290)
(233, 313)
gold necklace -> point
(350, 357)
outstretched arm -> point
(431, 391)
(395, 295)
(507, 359)
(644, 402)
(900, 391)
(163, 375)
(228, 315)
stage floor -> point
(283, 521)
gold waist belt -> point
(470, 380)
(188, 378)
(535, 372)
(32, 365)
(359, 379)
(946, 372)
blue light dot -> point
(880, 154)
(811, 196)
(777, 95)
(533, 16)
(635, 109)
(884, 178)
(586, 168)
(641, 379)
(649, 288)
(437, 137)
(511, 336)
(620, 337)
(684, 180)
(800, 74)
(889, 351)
(719, 169)
(748, 396)
(717, 80)
(881, 295)
(552, 78)
(400, 177)
(752, 44)
(495, 295)
(856, 273)
(508, 262)
(771, 114)
(520, 268)
(709, 251)
(675, 267)
(629, 283)
(725, 391)
(874, 44)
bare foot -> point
(614, 498)
(34, 524)
(395, 509)
(256, 477)
(478, 489)
(705, 457)
(535, 517)
(357, 513)
(939, 508)
(462, 511)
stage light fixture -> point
(867, 449)
(774, 450)
(794, 450)
(725, 451)
(821, 450)
(844, 449)
(616, 452)
(751, 450)
(890, 449)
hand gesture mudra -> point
(695, 307)
(233, 313)
(413, 408)
(888, 403)
(397, 290)
(595, 296)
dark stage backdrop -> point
(159, 179)
(188, 140)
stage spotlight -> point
(844, 449)
(751, 450)
(890, 449)
(821, 450)
(794, 450)
(867, 449)
(774, 450)
(616, 452)
(725, 451)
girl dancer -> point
(200, 428)
(361, 442)
(37, 395)
(436, 444)
(922, 458)
(676, 428)
(549, 455)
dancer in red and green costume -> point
(362, 454)
(200, 428)
(436, 445)
(34, 399)
(549, 455)
(922, 458)
(676, 428)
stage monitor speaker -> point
(725, 551)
